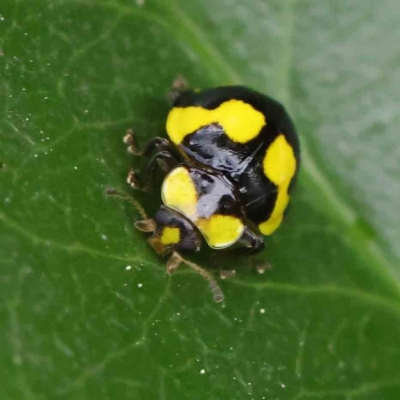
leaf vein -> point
(69, 248)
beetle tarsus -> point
(134, 182)
(178, 86)
(131, 143)
(227, 273)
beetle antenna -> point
(218, 295)
(119, 195)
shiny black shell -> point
(242, 163)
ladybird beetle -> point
(229, 163)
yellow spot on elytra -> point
(279, 166)
(240, 121)
(221, 231)
(179, 192)
(170, 236)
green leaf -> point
(77, 323)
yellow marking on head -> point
(170, 236)
(179, 192)
(221, 231)
(240, 121)
(279, 166)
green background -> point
(76, 324)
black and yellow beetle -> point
(229, 164)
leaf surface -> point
(87, 311)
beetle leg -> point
(158, 144)
(178, 86)
(252, 242)
(163, 160)
(133, 180)
(262, 266)
(155, 144)
(173, 263)
(227, 273)
(131, 143)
